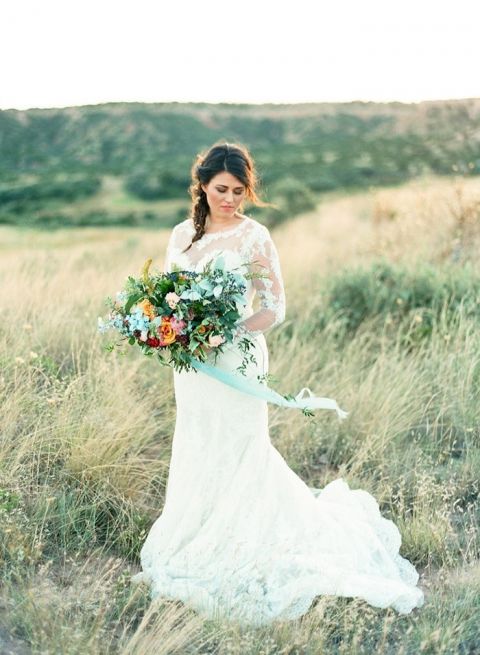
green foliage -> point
(396, 295)
(50, 158)
(156, 184)
(20, 196)
(295, 196)
(68, 189)
(55, 220)
(83, 513)
(18, 546)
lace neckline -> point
(219, 233)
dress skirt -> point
(242, 537)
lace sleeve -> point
(264, 259)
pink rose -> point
(215, 340)
(177, 324)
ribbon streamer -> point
(263, 390)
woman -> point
(241, 536)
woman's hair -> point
(231, 157)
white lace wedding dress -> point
(241, 536)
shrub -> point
(394, 294)
(294, 196)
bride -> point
(241, 536)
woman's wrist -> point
(239, 331)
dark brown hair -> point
(231, 157)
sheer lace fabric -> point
(248, 241)
(241, 536)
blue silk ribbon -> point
(261, 390)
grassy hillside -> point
(383, 314)
(58, 166)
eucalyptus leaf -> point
(190, 294)
(219, 262)
(205, 284)
(132, 300)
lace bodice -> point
(249, 241)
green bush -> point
(99, 218)
(293, 196)
(17, 196)
(391, 292)
(156, 184)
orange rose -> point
(147, 308)
(202, 329)
(166, 332)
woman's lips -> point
(226, 207)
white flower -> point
(172, 299)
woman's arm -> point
(270, 289)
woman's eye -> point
(237, 193)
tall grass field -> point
(383, 314)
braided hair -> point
(231, 157)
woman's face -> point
(225, 193)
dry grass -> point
(85, 436)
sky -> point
(69, 53)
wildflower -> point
(135, 321)
(101, 325)
(177, 324)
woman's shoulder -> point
(186, 225)
(255, 225)
(260, 231)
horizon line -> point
(243, 104)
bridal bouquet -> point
(179, 314)
(187, 315)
